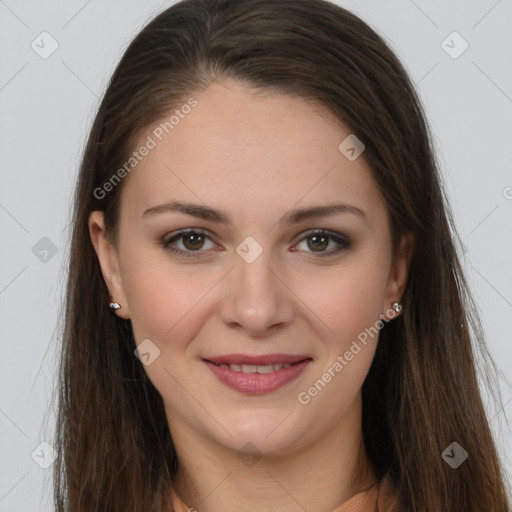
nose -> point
(257, 299)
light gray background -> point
(47, 106)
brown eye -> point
(318, 242)
(193, 241)
(189, 243)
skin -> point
(256, 156)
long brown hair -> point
(115, 452)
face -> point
(262, 318)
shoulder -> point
(388, 499)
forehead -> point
(251, 152)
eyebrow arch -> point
(291, 217)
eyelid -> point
(342, 240)
(326, 232)
(168, 239)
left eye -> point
(193, 241)
(321, 239)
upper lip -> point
(257, 360)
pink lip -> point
(256, 383)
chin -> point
(272, 433)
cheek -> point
(168, 305)
(164, 298)
(348, 299)
(349, 303)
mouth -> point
(252, 368)
(257, 374)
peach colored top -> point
(379, 497)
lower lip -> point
(257, 383)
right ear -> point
(109, 262)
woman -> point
(265, 308)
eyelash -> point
(342, 240)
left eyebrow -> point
(292, 217)
(301, 214)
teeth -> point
(268, 368)
(251, 368)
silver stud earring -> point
(397, 307)
(114, 306)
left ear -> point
(398, 273)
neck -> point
(210, 477)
